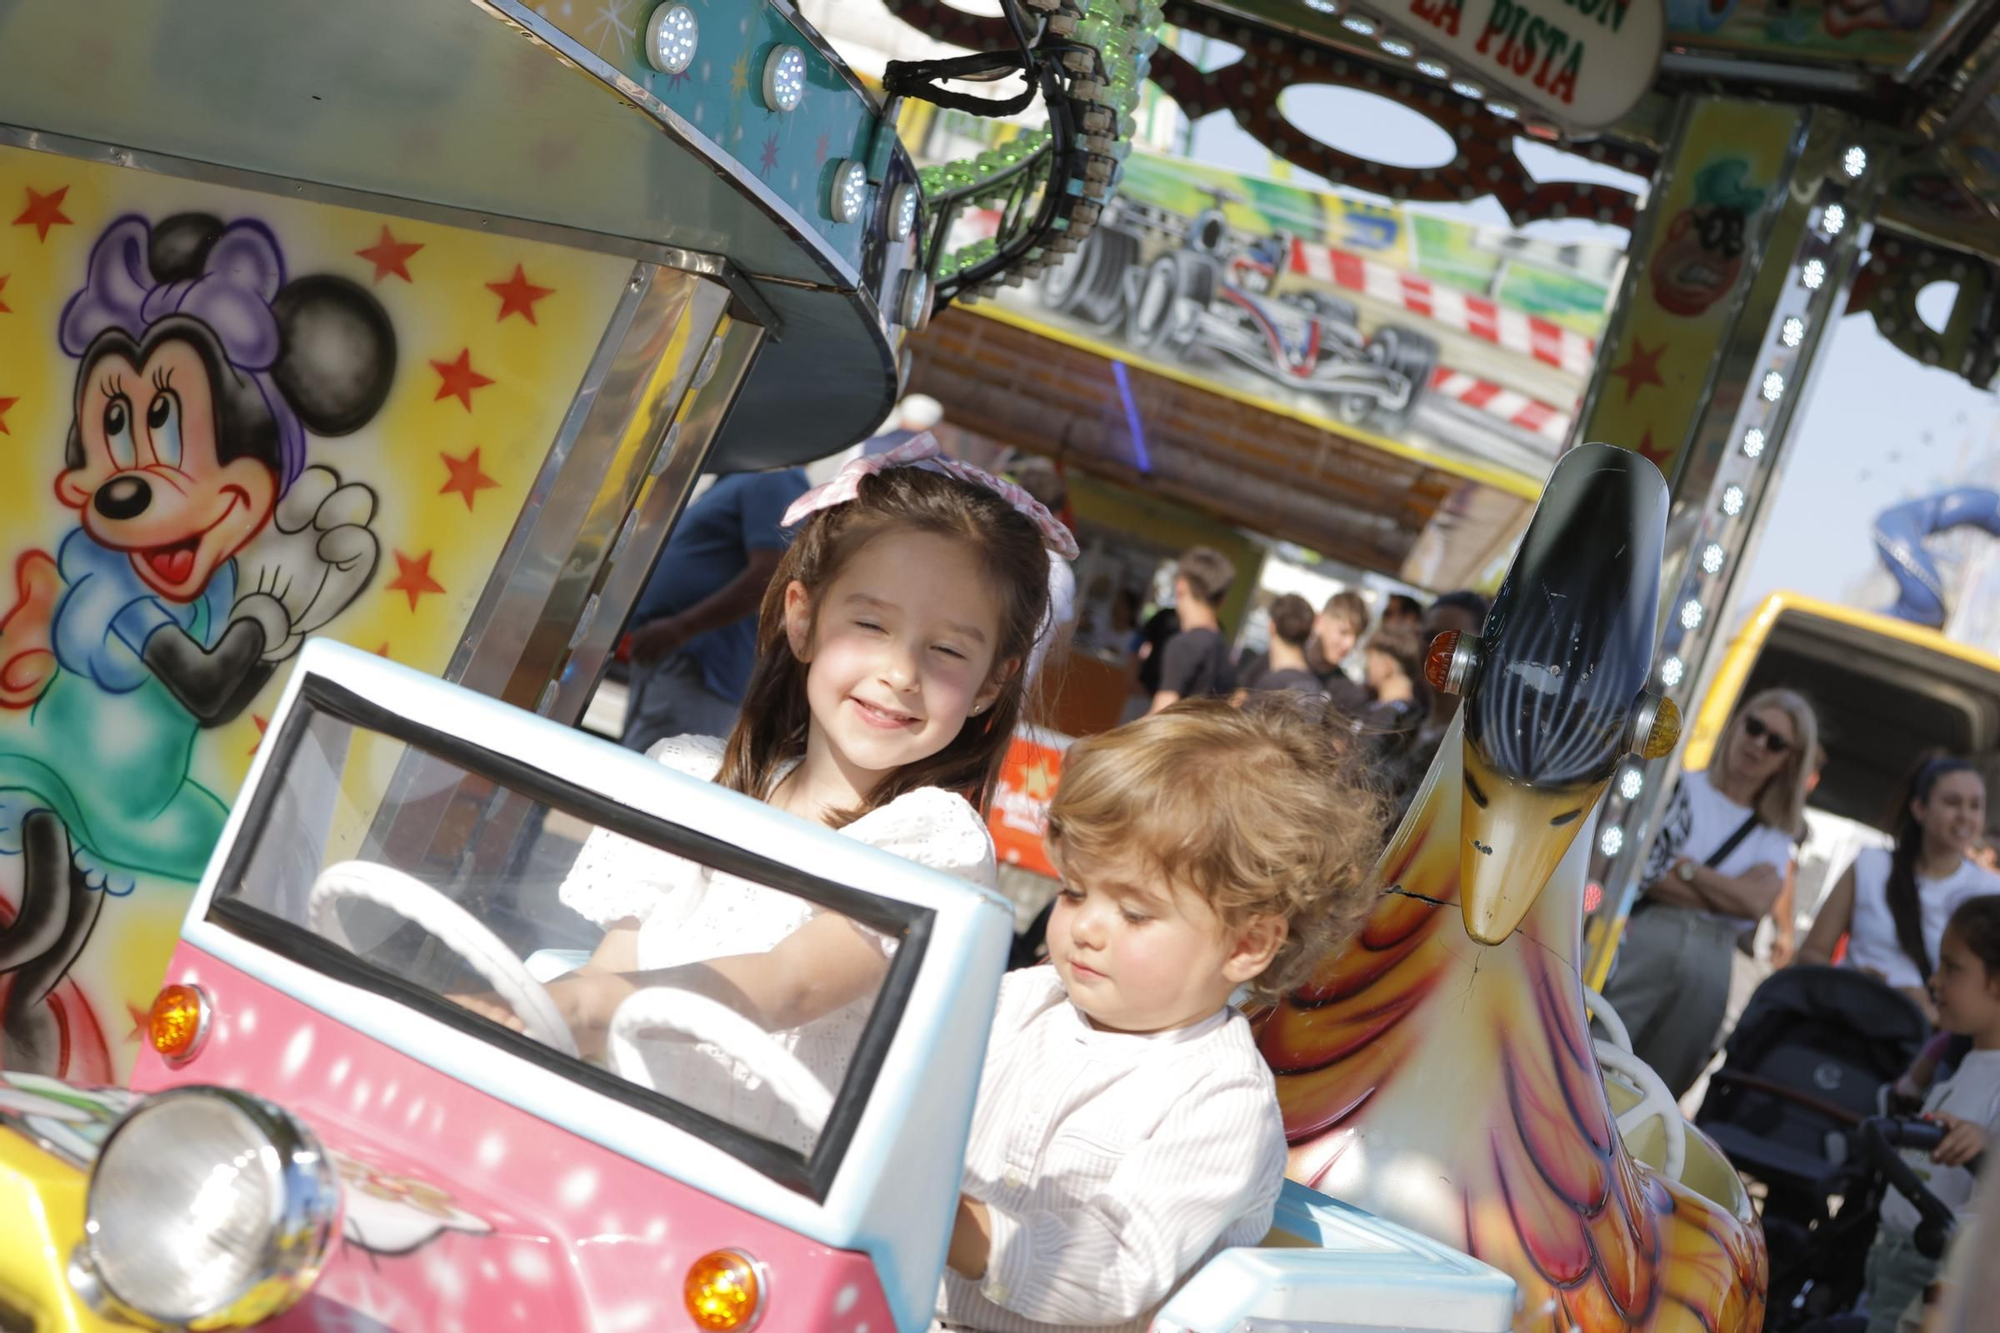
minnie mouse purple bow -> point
(924, 451)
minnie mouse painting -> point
(205, 550)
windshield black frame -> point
(909, 923)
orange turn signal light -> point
(1437, 661)
(725, 1291)
(178, 1021)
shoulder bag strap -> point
(1732, 842)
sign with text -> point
(1584, 63)
(1021, 801)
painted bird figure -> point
(1440, 1071)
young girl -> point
(1966, 985)
(1892, 905)
(888, 685)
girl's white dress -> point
(688, 913)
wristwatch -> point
(1686, 871)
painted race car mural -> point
(1431, 336)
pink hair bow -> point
(925, 451)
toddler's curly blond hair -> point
(1261, 811)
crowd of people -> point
(1921, 916)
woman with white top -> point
(1893, 905)
(1717, 867)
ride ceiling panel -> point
(445, 104)
(1258, 470)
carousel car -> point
(319, 1137)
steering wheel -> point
(703, 1019)
(460, 931)
(1656, 1100)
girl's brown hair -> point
(1976, 924)
(771, 730)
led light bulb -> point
(784, 78)
(671, 36)
(850, 192)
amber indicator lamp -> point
(725, 1291)
(178, 1021)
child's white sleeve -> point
(934, 828)
(1216, 1160)
(614, 878)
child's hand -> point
(1963, 1141)
(586, 999)
(971, 1239)
(488, 1005)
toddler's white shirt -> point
(1114, 1164)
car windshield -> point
(423, 867)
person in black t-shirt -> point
(1196, 661)
(1160, 627)
(1284, 666)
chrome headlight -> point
(207, 1208)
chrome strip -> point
(519, 631)
(699, 262)
(638, 547)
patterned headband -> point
(924, 451)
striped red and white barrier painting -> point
(1516, 409)
(1475, 316)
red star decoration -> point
(1653, 453)
(466, 479)
(820, 150)
(141, 1020)
(390, 255)
(263, 725)
(6, 403)
(769, 161)
(1641, 368)
(43, 211)
(3, 287)
(413, 578)
(518, 295)
(460, 379)
(383, 651)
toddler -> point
(1127, 1127)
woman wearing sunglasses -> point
(1892, 905)
(1724, 848)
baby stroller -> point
(1802, 1071)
